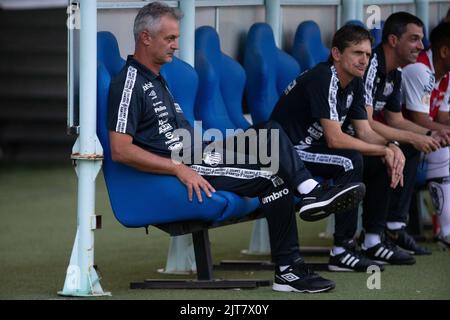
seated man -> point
(324, 115)
(401, 44)
(426, 92)
(145, 122)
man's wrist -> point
(394, 142)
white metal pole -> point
(359, 11)
(422, 9)
(81, 277)
(88, 102)
(348, 11)
(187, 31)
(273, 14)
(181, 256)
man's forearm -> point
(390, 133)
(433, 125)
(371, 136)
(407, 125)
(143, 160)
(345, 141)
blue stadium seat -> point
(139, 199)
(221, 84)
(425, 41)
(377, 34)
(269, 71)
(184, 91)
(356, 22)
(308, 48)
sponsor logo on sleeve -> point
(147, 86)
(349, 100)
(178, 108)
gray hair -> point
(149, 16)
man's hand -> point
(426, 144)
(193, 182)
(443, 136)
(394, 171)
(399, 160)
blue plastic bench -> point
(140, 199)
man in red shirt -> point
(426, 95)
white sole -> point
(381, 262)
(288, 288)
(336, 268)
(443, 246)
(327, 202)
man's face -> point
(445, 56)
(355, 58)
(163, 43)
(409, 45)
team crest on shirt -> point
(349, 100)
(379, 105)
(388, 88)
(426, 99)
(212, 158)
(176, 146)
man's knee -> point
(354, 162)
(357, 160)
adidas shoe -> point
(351, 261)
(444, 242)
(300, 278)
(388, 253)
(401, 238)
(324, 200)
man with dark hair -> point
(323, 113)
(447, 16)
(401, 45)
(144, 119)
(426, 98)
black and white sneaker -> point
(444, 242)
(324, 200)
(300, 278)
(388, 253)
(401, 238)
(351, 261)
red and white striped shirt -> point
(421, 91)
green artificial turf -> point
(37, 231)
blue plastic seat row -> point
(139, 199)
(212, 93)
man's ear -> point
(336, 54)
(145, 37)
(444, 52)
(392, 40)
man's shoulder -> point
(318, 75)
(357, 83)
(416, 70)
(373, 67)
(128, 76)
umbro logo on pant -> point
(275, 196)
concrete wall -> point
(234, 22)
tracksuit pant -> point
(401, 197)
(343, 166)
(275, 190)
(382, 203)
